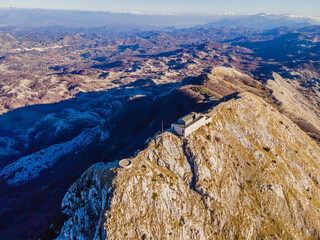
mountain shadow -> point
(112, 124)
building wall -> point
(208, 119)
(191, 128)
(177, 129)
(194, 126)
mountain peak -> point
(250, 172)
(262, 14)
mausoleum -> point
(190, 123)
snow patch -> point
(29, 167)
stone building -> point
(190, 123)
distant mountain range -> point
(45, 18)
(264, 21)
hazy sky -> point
(303, 7)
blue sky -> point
(302, 7)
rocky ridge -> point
(251, 173)
(300, 104)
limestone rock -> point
(251, 173)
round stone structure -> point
(125, 163)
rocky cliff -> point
(251, 173)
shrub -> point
(204, 91)
(203, 148)
(154, 196)
(144, 236)
(267, 149)
(208, 137)
(161, 175)
(181, 221)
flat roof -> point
(188, 125)
(125, 163)
(188, 117)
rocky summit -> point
(249, 174)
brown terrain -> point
(106, 93)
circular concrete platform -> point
(125, 163)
